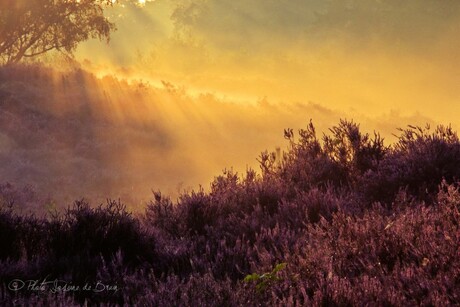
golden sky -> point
(369, 57)
(232, 74)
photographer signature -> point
(57, 285)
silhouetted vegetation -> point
(29, 28)
(337, 220)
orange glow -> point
(230, 86)
(186, 89)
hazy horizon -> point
(194, 87)
(371, 58)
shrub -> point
(355, 222)
(418, 162)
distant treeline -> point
(338, 220)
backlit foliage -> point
(29, 28)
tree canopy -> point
(29, 28)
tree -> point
(29, 28)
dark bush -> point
(418, 162)
(339, 160)
(9, 236)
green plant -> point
(265, 279)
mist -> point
(229, 152)
(371, 56)
(68, 135)
(186, 89)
